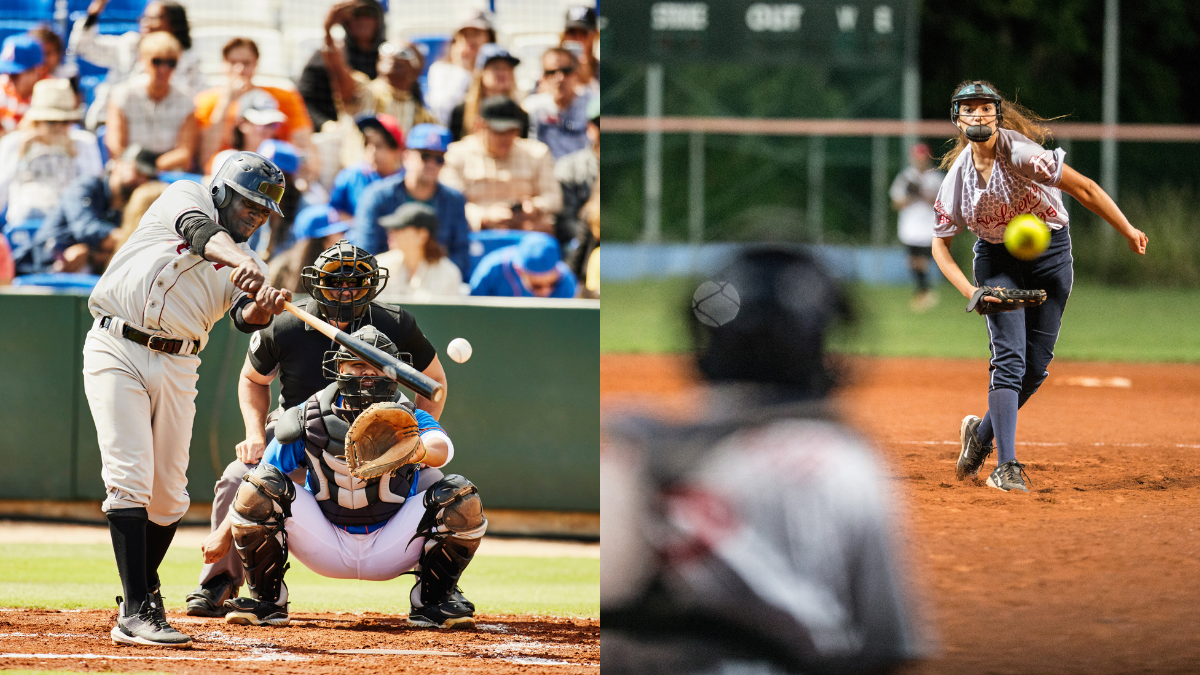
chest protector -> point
(344, 499)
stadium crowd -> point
(459, 182)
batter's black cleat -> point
(251, 612)
(1009, 476)
(147, 628)
(454, 612)
(209, 599)
(971, 457)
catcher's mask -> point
(977, 91)
(360, 391)
(344, 280)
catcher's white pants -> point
(143, 403)
(333, 552)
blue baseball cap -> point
(321, 220)
(537, 253)
(284, 154)
(20, 53)
(429, 137)
(492, 51)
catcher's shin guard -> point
(262, 503)
(453, 526)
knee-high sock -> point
(128, 530)
(922, 278)
(1002, 414)
(158, 540)
(984, 432)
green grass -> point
(1101, 323)
(81, 576)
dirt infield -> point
(1095, 571)
(50, 640)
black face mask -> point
(979, 133)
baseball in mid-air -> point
(459, 350)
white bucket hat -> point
(53, 100)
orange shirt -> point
(13, 107)
(290, 104)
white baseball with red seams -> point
(143, 401)
(459, 350)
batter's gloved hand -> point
(382, 439)
(993, 300)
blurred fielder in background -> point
(913, 193)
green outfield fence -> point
(523, 412)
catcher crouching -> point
(375, 504)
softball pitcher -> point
(997, 170)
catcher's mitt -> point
(1010, 299)
(383, 438)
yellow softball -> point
(1026, 236)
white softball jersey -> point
(1025, 179)
(916, 221)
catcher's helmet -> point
(975, 91)
(343, 280)
(360, 391)
(786, 304)
(251, 175)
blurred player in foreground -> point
(411, 519)
(757, 538)
(997, 170)
(913, 193)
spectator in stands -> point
(363, 23)
(395, 91)
(139, 203)
(591, 213)
(494, 76)
(531, 268)
(240, 57)
(579, 37)
(81, 233)
(277, 236)
(21, 66)
(578, 173)
(52, 49)
(46, 153)
(382, 142)
(7, 268)
(150, 111)
(449, 78)
(417, 266)
(119, 53)
(316, 229)
(419, 182)
(508, 181)
(559, 114)
(258, 120)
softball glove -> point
(1010, 299)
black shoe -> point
(147, 628)
(971, 457)
(1009, 476)
(454, 612)
(209, 599)
(248, 611)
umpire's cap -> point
(774, 307)
(254, 177)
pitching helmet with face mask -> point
(344, 280)
(976, 91)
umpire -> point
(756, 539)
(343, 283)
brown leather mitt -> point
(383, 438)
(1010, 299)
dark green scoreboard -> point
(866, 35)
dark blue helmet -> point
(251, 175)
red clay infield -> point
(1096, 571)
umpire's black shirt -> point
(298, 350)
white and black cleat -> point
(147, 628)
(1009, 476)
(455, 612)
(972, 453)
(251, 612)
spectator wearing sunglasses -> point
(495, 75)
(395, 90)
(530, 269)
(559, 114)
(418, 182)
(579, 37)
(150, 111)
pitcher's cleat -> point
(972, 452)
(1009, 476)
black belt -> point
(156, 343)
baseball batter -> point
(412, 518)
(343, 283)
(998, 170)
(185, 266)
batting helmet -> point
(344, 280)
(251, 175)
(781, 308)
(977, 91)
(360, 391)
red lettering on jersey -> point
(183, 246)
(218, 266)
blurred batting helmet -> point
(344, 280)
(251, 175)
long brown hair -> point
(1016, 117)
(475, 97)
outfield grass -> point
(1101, 323)
(81, 576)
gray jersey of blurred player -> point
(756, 540)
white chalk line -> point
(1035, 443)
(145, 657)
